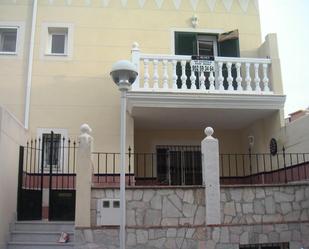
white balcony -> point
(235, 94)
(158, 73)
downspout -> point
(30, 63)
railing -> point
(46, 166)
(263, 168)
(185, 168)
(175, 73)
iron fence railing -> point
(49, 162)
(174, 166)
(263, 168)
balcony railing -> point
(175, 73)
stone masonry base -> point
(217, 237)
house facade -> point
(199, 63)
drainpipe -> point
(30, 62)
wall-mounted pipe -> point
(30, 63)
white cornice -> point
(211, 101)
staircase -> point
(40, 235)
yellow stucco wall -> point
(67, 92)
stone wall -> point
(175, 218)
(264, 204)
(158, 206)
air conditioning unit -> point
(108, 212)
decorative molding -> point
(177, 4)
(211, 4)
(213, 100)
(227, 4)
(244, 5)
(141, 3)
(159, 3)
(194, 4)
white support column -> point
(183, 76)
(135, 57)
(174, 63)
(165, 75)
(229, 76)
(211, 177)
(155, 75)
(83, 178)
(192, 77)
(220, 77)
(256, 77)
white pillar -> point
(83, 178)
(135, 57)
(211, 177)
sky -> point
(290, 20)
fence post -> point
(83, 178)
(211, 177)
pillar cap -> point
(209, 131)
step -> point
(39, 245)
(60, 226)
(37, 236)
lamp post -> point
(124, 74)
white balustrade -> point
(231, 75)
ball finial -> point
(85, 129)
(135, 46)
(209, 131)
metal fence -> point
(263, 168)
(181, 165)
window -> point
(8, 40)
(179, 165)
(58, 41)
(52, 150)
(55, 150)
(225, 44)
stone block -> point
(286, 207)
(236, 194)
(283, 197)
(200, 215)
(169, 210)
(171, 233)
(225, 235)
(130, 217)
(189, 210)
(158, 243)
(188, 196)
(244, 238)
(248, 195)
(299, 195)
(148, 194)
(137, 195)
(190, 232)
(270, 205)
(247, 208)
(176, 201)
(260, 193)
(141, 236)
(229, 208)
(131, 239)
(152, 217)
(258, 207)
(169, 222)
(156, 202)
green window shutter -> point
(185, 43)
(228, 44)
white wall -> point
(12, 134)
(295, 135)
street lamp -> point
(124, 74)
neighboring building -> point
(200, 63)
(296, 115)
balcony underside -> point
(195, 111)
